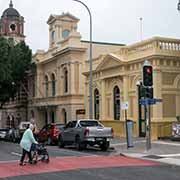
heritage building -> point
(59, 82)
(61, 88)
(12, 27)
(12, 24)
(58, 85)
(117, 77)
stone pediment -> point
(51, 18)
(109, 61)
(63, 17)
(68, 17)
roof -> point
(10, 12)
(104, 43)
(64, 16)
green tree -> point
(15, 60)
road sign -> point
(124, 105)
(148, 101)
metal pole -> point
(141, 28)
(90, 64)
(148, 127)
(126, 128)
(178, 7)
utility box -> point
(129, 133)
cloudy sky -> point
(115, 21)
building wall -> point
(124, 69)
(72, 54)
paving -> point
(11, 169)
(165, 151)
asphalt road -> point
(91, 164)
(12, 151)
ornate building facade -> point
(59, 82)
(12, 24)
(116, 80)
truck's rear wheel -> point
(79, 145)
(104, 146)
(60, 142)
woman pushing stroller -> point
(26, 143)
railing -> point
(153, 46)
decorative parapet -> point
(150, 47)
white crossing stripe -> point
(16, 154)
(166, 143)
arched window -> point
(116, 93)
(65, 33)
(46, 86)
(65, 80)
(53, 85)
(96, 104)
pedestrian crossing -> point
(10, 169)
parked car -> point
(3, 133)
(23, 126)
(13, 135)
(86, 132)
(175, 131)
(49, 133)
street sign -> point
(148, 101)
(124, 105)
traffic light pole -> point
(148, 84)
(148, 127)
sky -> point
(114, 21)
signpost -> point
(124, 106)
(148, 100)
(129, 126)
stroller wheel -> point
(47, 160)
(34, 162)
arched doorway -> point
(53, 85)
(116, 93)
(96, 104)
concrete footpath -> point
(165, 151)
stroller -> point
(39, 153)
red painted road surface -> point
(9, 169)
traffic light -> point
(147, 75)
(149, 93)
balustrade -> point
(152, 46)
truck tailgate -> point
(100, 132)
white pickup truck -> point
(85, 132)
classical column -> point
(58, 82)
(157, 108)
(103, 100)
(69, 78)
(72, 78)
(39, 86)
(125, 88)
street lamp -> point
(178, 6)
(90, 63)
